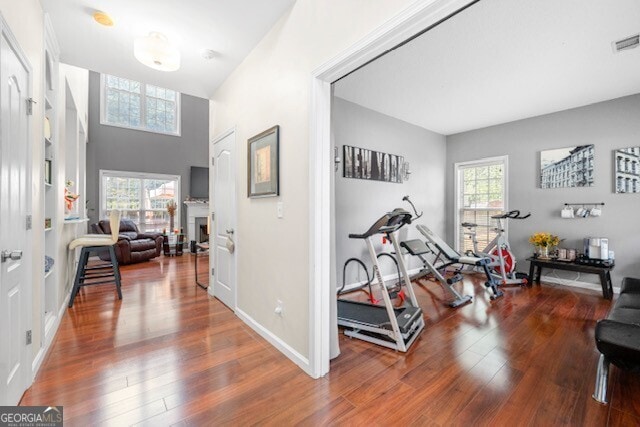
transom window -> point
(131, 104)
(481, 193)
(140, 197)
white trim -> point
(576, 284)
(137, 175)
(504, 160)
(418, 16)
(275, 341)
(48, 338)
(143, 110)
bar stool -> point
(105, 272)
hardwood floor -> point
(167, 354)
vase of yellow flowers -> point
(172, 207)
(543, 242)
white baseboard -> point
(356, 285)
(48, 337)
(276, 341)
(576, 284)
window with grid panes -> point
(140, 197)
(131, 104)
(481, 194)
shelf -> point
(48, 273)
(47, 103)
(46, 184)
(75, 220)
(48, 141)
(48, 229)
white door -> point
(224, 221)
(14, 141)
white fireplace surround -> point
(195, 210)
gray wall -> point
(608, 125)
(114, 148)
(360, 202)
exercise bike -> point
(503, 262)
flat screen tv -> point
(199, 183)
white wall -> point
(26, 20)
(358, 203)
(73, 90)
(272, 86)
(608, 125)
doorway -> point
(415, 20)
(15, 281)
(224, 218)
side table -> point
(172, 244)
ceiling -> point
(230, 28)
(504, 60)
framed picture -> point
(362, 163)
(263, 164)
(567, 167)
(47, 171)
(626, 176)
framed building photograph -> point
(362, 163)
(567, 167)
(263, 164)
(627, 170)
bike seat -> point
(469, 224)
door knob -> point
(13, 255)
(230, 231)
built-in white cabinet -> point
(64, 144)
(51, 191)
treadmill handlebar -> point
(388, 223)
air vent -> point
(626, 43)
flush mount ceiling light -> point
(103, 18)
(156, 52)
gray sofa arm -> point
(619, 343)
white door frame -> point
(29, 375)
(413, 20)
(218, 138)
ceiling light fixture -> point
(156, 52)
(103, 18)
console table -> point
(603, 272)
(200, 248)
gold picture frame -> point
(263, 164)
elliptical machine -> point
(395, 328)
(503, 262)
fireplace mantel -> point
(195, 210)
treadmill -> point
(395, 328)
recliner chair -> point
(132, 246)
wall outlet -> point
(280, 209)
(279, 308)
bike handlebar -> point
(415, 212)
(515, 214)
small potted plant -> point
(543, 241)
(172, 207)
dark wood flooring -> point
(167, 354)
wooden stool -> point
(99, 274)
